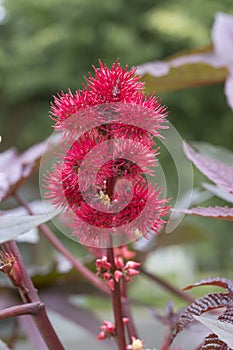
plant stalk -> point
(117, 306)
(29, 294)
(18, 310)
(130, 325)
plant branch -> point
(131, 329)
(29, 294)
(164, 284)
(89, 275)
(117, 305)
(18, 310)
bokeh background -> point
(48, 46)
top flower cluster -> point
(109, 85)
(109, 128)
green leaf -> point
(12, 226)
(223, 330)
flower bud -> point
(105, 263)
(132, 272)
(111, 284)
(107, 276)
(101, 336)
(125, 320)
(137, 344)
(9, 265)
(109, 326)
(117, 275)
(119, 263)
(132, 264)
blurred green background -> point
(49, 45)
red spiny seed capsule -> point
(108, 91)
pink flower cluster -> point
(108, 85)
(100, 175)
(111, 274)
(108, 329)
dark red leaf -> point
(213, 281)
(31, 157)
(197, 308)
(222, 213)
(15, 168)
(220, 173)
(212, 342)
(10, 170)
(227, 316)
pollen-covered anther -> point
(103, 198)
(136, 344)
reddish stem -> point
(116, 293)
(117, 306)
(29, 294)
(131, 329)
(18, 310)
